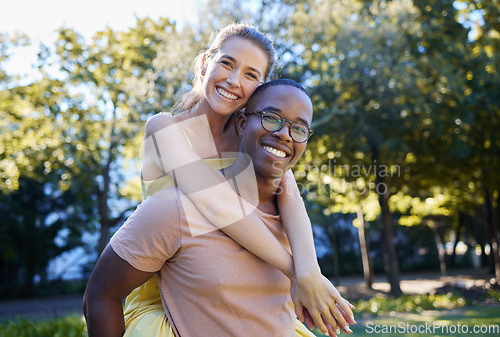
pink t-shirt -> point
(209, 284)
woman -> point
(226, 75)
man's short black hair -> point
(282, 81)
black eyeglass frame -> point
(283, 120)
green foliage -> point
(409, 88)
(40, 223)
(381, 304)
(69, 326)
(42, 218)
(387, 79)
(493, 295)
(84, 119)
(28, 136)
(117, 80)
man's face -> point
(274, 153)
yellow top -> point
(150, 187)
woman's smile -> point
(226, 94)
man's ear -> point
(241, 121)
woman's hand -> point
(318, 302)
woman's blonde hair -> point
(192, 97)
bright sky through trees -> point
(40, 19)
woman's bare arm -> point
(313, 291)
(297, 226)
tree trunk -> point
(105, 224)
(335, 251)
(497, 212)
(440, 249)
(103, 238)
(494, 254)
(461, 224)
(391, 264)
(103, 193)
(478, 226)
(365, 250)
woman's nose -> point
(234, 79)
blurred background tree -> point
(117, 81)
(406, 147)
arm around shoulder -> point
(157, 123)
(166, 148)
(152, 167)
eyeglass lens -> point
(272, 121)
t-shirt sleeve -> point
(152, 234)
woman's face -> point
(232, 74)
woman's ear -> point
(241, 123)
(203, 65)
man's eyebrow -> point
(272, 108)
(232, 59)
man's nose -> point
(284, 132)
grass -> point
(431, 323)
(69, 326)
(407, 316)
(428, 315)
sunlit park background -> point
(401, 178)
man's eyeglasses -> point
(272, 121)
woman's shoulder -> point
(158, 122)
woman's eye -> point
(226, 63)
(253, 76)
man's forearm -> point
(104, 317)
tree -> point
(42, 218)
(388, 80)
(115, 83)
(469, 106)
(483, 105)
(11, 104)
(40, 223)
(356, 60)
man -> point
(210, 285)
